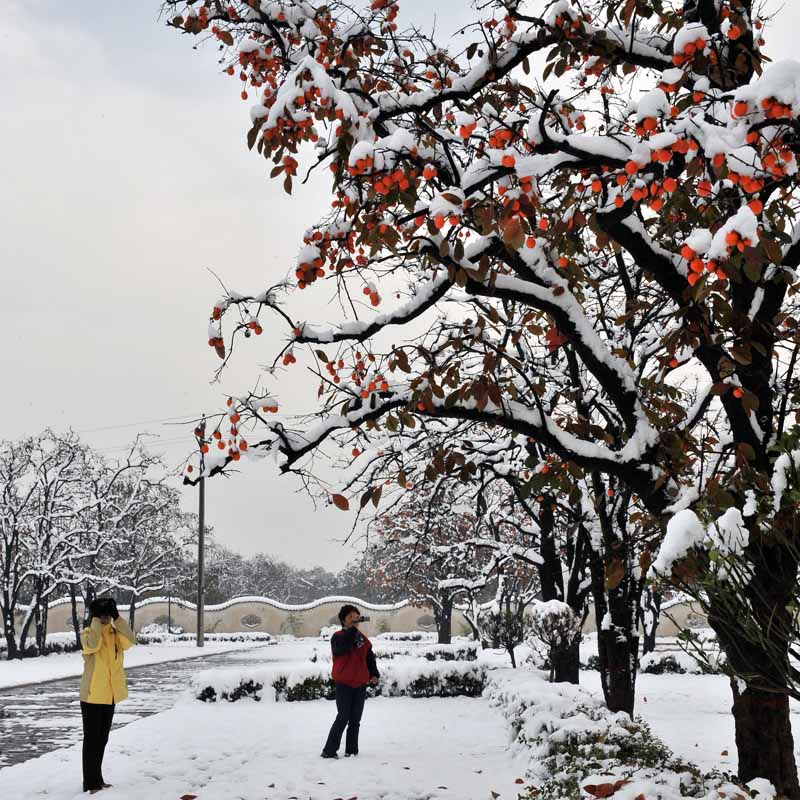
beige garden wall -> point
(262, 614)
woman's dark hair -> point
(345, 610)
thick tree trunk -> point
(617, 642)
(444, 620)
(618, 659)
(567, 664)
(763, 727)
(764, 739)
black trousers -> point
(349, 708)
(97, 721)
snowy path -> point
(38, 718)
(436, 749)
(25, 671)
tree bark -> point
(764, 739)
(9, 633)
(567, 664)
(760, 708)
(510, 651)
(618, 659)
(617, 644)
(650, 626)
(76, 623)
(444, 619)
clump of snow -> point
(726, 536)
(689, 34)
(653, 104)
(684, 531)
(780, 479)
(780, 81)
(744, 222)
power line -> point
(188, 440)
(164, 421)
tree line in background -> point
(76, 524)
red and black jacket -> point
(353, 659)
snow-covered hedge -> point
(458, 651)
(313, 682)
(156, 628)
(54, 643)
(577, 749)
(179, 638)
(409, 636)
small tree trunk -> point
(9, 627)
(132, 610)
(764, 739)
(41, 625)
(650, 621)
(566, 664)
(76, 623)
(23, 636)
(9, 633)
(510, 650)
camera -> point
(103, 607)
(363, 619)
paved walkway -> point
(38, 718)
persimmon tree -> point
(617, 214)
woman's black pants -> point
(349, 707)
(97, 719)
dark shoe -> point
(348, 755)
(328, 755)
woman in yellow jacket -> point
(103, 685)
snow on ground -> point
(691, 715)
(20, 672)
(436, 749)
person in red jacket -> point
(354, 668)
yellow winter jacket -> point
(103, 679)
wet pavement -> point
(42, 717)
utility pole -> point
(201, 438)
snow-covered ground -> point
(411, 749)
(691, 715)
(20, 672)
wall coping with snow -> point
(256, 599)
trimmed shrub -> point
(660, 663)
(314, 683)
(577, 749)
(172, 638)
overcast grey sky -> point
(125, 177)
